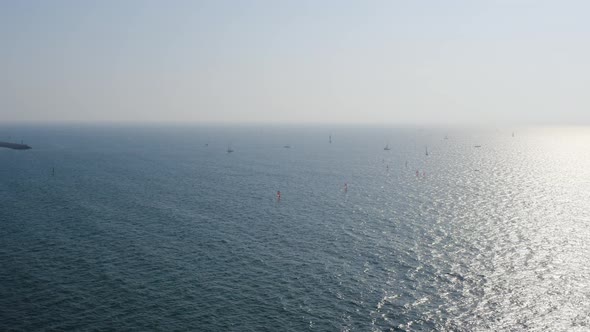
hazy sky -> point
(399, 62)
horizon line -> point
(181, 123)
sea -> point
(160, 228)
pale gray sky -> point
(398, 62)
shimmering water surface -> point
(148, 228)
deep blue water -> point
(159, 228)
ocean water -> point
(159, 228)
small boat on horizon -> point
(386, 148)
(229, 149)
(426, 147)
(287, 146)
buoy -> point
(278, 195)
(345, 187)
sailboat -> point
(426, 150)
(386, 148)
(229, 149)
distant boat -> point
(229, 149)
(446, 137)
(512, 134)
(426, 150)
(330, 139)
(386, 148)
(287, 146)
(14, 146)
(477, 146)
